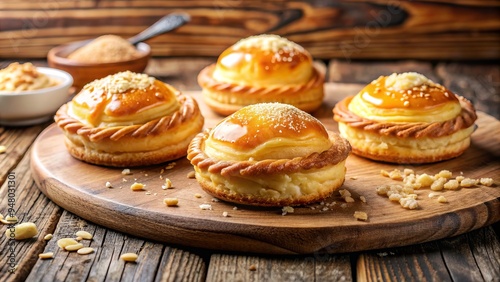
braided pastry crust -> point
(407, 142)
(271, 182)
(226, 98)
(156, 141)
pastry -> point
(129, 119)
(269, 154)
(259, 69)
(406, 118)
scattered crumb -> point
(425, 180)
(432, 195)
(438, 184)
(286, 210)
(171, 202)
(225, 214)
(395, 175)
(167, 184)
(444, 174)
(486, 181)
(215, 200)
(442, 199)
(235, 208)
(354, 178)
(197, 195)
(126, 171)
(408, 171)
(360, 215)
(137, 186)
(252, 267)
(108, 185)
(349, 199)
(362, 199)
(206, 206)
(404, 194)
(343, 193)
(468, 182)
(190, 174)
(408, 203)
(451, 185)
(3, 149)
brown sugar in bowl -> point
(84, 73)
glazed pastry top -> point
(267, 131)
(124, 98)
(406, 97)
(264, 60)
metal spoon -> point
(165, 24)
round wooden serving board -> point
(323, 227)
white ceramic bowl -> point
(35, 106)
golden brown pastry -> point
(406, 118)
(262, 68)
(129, 119)
(269, 154)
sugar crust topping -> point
(267, 42)
(121, 82)
(278, 115)
(406, 81)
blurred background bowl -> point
(84, 73)
(35, 106)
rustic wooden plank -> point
(474, 256)
(478, 82)
(329, 29)
(180, 265)
(180, 72)
(486, 250)
(364, 72)
(156, 262)
(31, 206)
(17, 140)
(421, 262)
(318, 267)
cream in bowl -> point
(31, 95)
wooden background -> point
(440, 29)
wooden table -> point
(474, 256)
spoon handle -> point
(165, 24)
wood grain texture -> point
(438, 29)
(318, 267)
(156, 262)
(31, 206)
(478, 82)
(342, 71)
(17, 140)
(266, 230)
(469, 257)
(180, 72)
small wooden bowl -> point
(84, 73)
